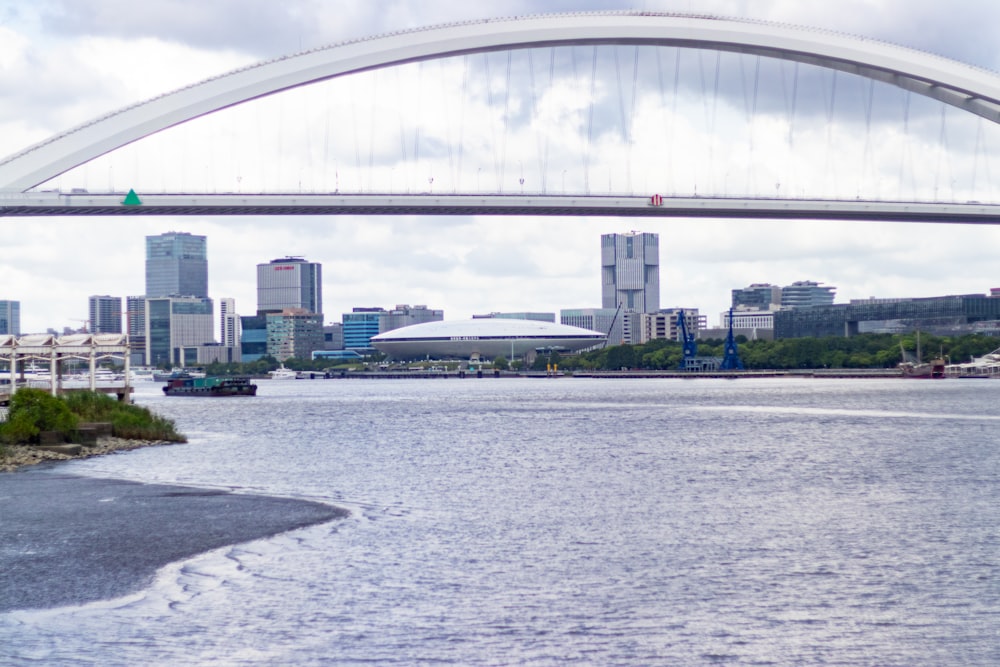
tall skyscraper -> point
(105, 313)
(176, 265)
(630, 271)
(289, 282)
(10, 318)
(229, 323)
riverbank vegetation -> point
(861, 351)
(32, 411)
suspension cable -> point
(868, 135)
(751, 181)
(489, 101)
(590, 122)
(631, 121)
(711, 132)
(506, 120)
(461, 121)
(906, 151)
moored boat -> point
(917, 368)
(167, 376)
(282, 373)
(210, 387)
(986, 366)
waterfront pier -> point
(41, 361)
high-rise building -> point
(630, 271)
(176, 265)
(806, 293)
(10, 318)
(294, 332)
(290, 282)
(175, 328)
(135, 323)
(229, 323)
(105, 313)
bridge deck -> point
(58, 204)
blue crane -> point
(730, 360)
(690, 345)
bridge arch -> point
(969, 88)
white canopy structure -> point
(47, 350)
(486, 337)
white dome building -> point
(485, 338)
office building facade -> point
(404, 316)
(229, 323)
(105, 314)
(253, 337)
(360, 326)
(290, 282)
(940, 315)
(806, 293)
(176, 265)
(630, 271)
(175, 327)
(294, 332)
(758, 296)
(665, 324)
(618, 326)
(10, 318)
(135, 328)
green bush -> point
(127, 421)
(32, 411)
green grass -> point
(34, 410)
(127, 421)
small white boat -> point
(282, 373)
(141, 374)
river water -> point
(571, 521)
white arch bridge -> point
(975, 92)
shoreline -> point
(21, 456)
(70, 539)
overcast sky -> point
(63, 62)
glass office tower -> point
(176, 265)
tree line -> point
(860, 351)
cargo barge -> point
(191, 386)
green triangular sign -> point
(132, 199)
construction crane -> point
(690, 345)
(730, 359)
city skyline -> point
(463, 265)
